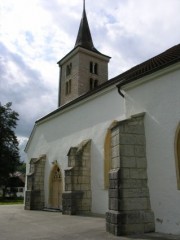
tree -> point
(9, 151)
(22, 168)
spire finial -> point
(84, 5)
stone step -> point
(52, 210)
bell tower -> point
(82, 69)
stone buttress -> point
(129, 201)
(34, 195)
(77, 195)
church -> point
(112, 147)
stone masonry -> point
(129, 202)
(80, 74)
(77, 196)
(34, 196)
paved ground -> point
(18, 224)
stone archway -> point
(55, 188)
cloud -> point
(36, 34)
(25, 88)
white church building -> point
(112, 147)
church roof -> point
(161, 61)
(84, 38)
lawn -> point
(10, 201)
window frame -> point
(93, 67)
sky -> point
(36, 34)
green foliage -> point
(22, 168)
(11, 201)
(9, 151)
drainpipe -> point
(119, 90)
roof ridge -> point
(159, 61)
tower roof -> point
(84, 38)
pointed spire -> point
(84, 38)
(84, 5)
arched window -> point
(91, 67)
(96, 68)
(68, 69)
(69, 91)
(177, 155)
(107, 154)
(91, 83)
(95, 83)
(68, 87)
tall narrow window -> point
(67, 88)
(91, 83)
(96, 68)
(95, 83)
(177, 153)
(91, 67)
(68, 69)
(107, 154)
(69, 91)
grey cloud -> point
(30, 99)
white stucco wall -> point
(160, 99)
(89, 120)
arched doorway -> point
(55, 188)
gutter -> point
(119, 90)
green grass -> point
(10, 201)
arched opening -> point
(91, 67)
(55, 188)
(91, 83)
(95, 83)
(96, 68)
(177, 155)
(107, 154)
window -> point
(177, 155)
(93, 68)
(107, 154)
(68, 69)
(93, 83)
(68, 87)
(96, 68)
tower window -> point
(68, 69)
(93, 68)
(96, 68)
(93, 83)
(68, 87)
